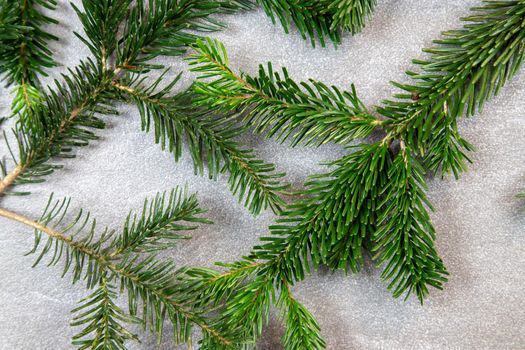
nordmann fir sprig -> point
(24, 52)
(374, 199)
(67, 117)
(320, 19)
(67, 112)
(309, 228)
(105, 259)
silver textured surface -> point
(479, 221)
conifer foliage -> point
(24, 53)
(372, 200)
(67, 117)
(320, 19)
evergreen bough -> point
(320, 19)
(67, 117)
(24, 53)
(371, 200)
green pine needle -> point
(320, 19)
(102, 320)
(308, 113)
(210, 138)
(464, 69)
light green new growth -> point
(24, 52)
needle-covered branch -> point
(349, 15)
(372, 199)
(89, 255)
(306, 112)
(302, 330)
(464, 69)
(24, 52)
(102, 320)
(331, 225)
(404, 240)
(64, 121)
(67, 112)
(157, 227)
(167, 27)
(101, 20)
(245, 293)
(320, 19)
(210, 138)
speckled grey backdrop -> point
(478, 220)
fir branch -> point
(464, 70)
(210, 139)
(331, 224)
(244, 294)
(307, 234)
(101, 20)
(308, 113)
(302, 330)
(62, 123)
(309, 22)
(212, 287)
(405, 236)
(249, 307)
(350, 15)
(416, 266)
(165, 27)
(148, 282)
(320, 19)
(78, 253)
(157, 227)
(67, 112)
(24, 53)
(103, 318)
(355, 202)
(25, 56)
(244, 309)
(345, 220)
